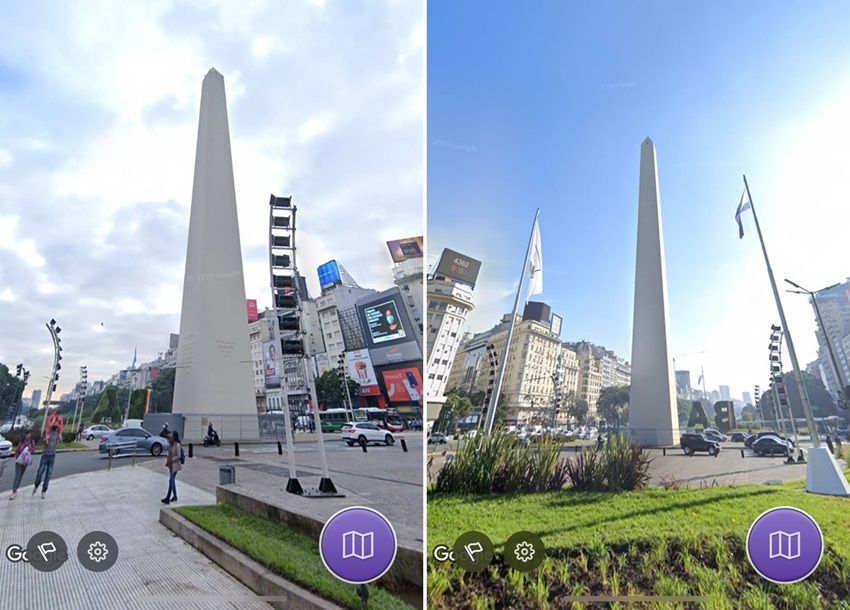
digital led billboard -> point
(458, 266)
(403, 249)
(329, 274)
(383, 322)
(403, 385)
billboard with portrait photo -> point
(271, 364)
(383, 321)
(404, 249)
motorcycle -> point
(209, 441)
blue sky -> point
(99, 110)
(545, 104)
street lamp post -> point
(843, 391)
(54, 377)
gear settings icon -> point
(98, 551)
(524, 551)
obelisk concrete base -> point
(824, 475)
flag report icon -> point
(785, 545)
(358, 545)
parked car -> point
(358, 431)
(772, 445)
(692, 442)
(752, 439)
(96, 430)
(715, 435)
(145, 442)
(739, 437)
(437, 437)
(5, 447)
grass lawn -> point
(291, 554)
(73, 445)
(651, 542)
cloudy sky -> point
(548, 108)
(98, 123)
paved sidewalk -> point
(152, 562)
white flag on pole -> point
(535, 264)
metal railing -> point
(114, 449)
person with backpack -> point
(174, 460)
(23, 458)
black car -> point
(752, 439)
(771, 445)
(739, 437)
(692, 442)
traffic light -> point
(20, 369)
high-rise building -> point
(336, 310)
(408, 276)
(834, 307)
(36, 399)
(748, 398)
(683, 384)
(260, 332)
(598, 368)
(725, 393)
(449, 302)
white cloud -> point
(93, 220)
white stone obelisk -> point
(214, 372)
(653, 418)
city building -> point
(598, 368)
(725, 393)
(449, 302)
(408, 276)
(834, 307)
(336, 310)
(259, 333)
(683, 384)
(748, 398)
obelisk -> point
(214, 370)
(653, 418)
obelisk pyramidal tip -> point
(653, 418)
(214, 373)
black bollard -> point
(404, 445)
(236, 448)
(191, 449)
(363, 444)
(279, 448)
(664, 451)
(742, 453)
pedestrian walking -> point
(23, 458)
(600, 443)
(80, 429)
(48, 459)
(174, 462)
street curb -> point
(407, 568)
(244, 569)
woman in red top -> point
(26, 443)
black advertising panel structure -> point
(458, 267)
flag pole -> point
(497, 388)
(801, 388)
(704, 392)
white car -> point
(5, 447)
(96, 430)
(364, 431)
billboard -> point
(328, 274)
(253, 314)
(398, 354)
(323, 364)
(383, 321)
(458, 267)
(403, 249)
(360, 369)
(556, 325)
(403, 385)
(271, 364)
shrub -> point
(495, 464)
(845, 454)
(621, 466)
(69, 436)
(16, 436)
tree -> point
(501, 411)
(163, 391)
(748, 414)
(107, 410)
(611, 403)
(331, 393)
(683, 408)
(10, 388)
(137, 404)
(578, 410)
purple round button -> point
(784, 545)
(358, 545)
